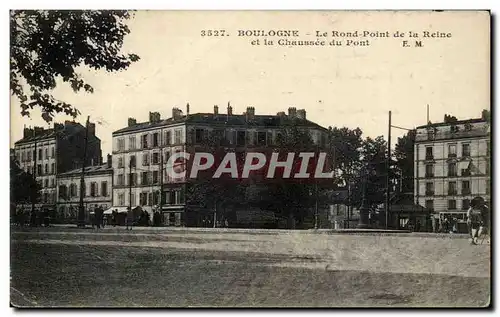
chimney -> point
(154, 117)
(58, 126)
(216, 110)
(176, 113)
(109, 161)
(187, 109)
(91, 128)
(281, 114)
(229, 110)
(301, 114)
(132, 122)
(250, 113)
(292, 112)
(38, 131)
(28, 132)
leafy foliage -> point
(47, 45)
(23, 188)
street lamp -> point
(364, 210)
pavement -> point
(179, 267)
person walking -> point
(130, 219)
(474, 223)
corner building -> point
(141, 152)
(452, 167)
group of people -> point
(35, 218)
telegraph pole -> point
(81, 209)
(130, 185)
(388, 177)
(161, 183)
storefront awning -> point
(119, 210)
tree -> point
(373, 155)
(486, 115)
(346, 145)
(23, 187)
(404, 155)
(47, 45)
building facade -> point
(141, 152)
(452, 167)
(97, 191)
(45, 153)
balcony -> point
(466, 191)
(452, 192)
(429, 175)
(452, 155)
(429, 157)
(429, 193)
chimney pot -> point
(301, 114)
(132, 122)
(292, 112)
(109, 161)
(216, 110)
(229, 110)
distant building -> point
(45, 153)
(97, 192)
(452, 166)
(141, 152)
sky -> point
(337, 85)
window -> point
(144, 141)
(52, 182)
(167, 138)
(465, 187)
(72, 190)
(39, 169)
(167, 156)
(429, 170)
(63, 191)
(145, 159)
(120, 180)
(488, 149)
(144, 178)
(29, 156)
(240, 138)
(156, 140)
(131, 143)
(150, 199)
(155, 177)
(121, 144)
(104, 189)
(121, 199)
(132, 161)
(452, 188)
(452, 150)
(487, 186)
(40, 156)
(53, 168)
(93, 189)
(156, 199)
(429, 189)
(199, 135)
(178, 136)
(465, 171)
(156, 158)
(429, 204)
(46, 197)
(46, 153)
(46, 169)
(428, 153)
(132, 200)
(120, 162)
(452, 169)
(465, 204)
(53, 154)
(466, 150)
(261, 138)
(132, 179)
(143, 198)
(452, 204)
(22, 157)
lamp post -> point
(364, 210)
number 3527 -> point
(213, 33)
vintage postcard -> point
(250, 159)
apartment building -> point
(98, 180)
(141, 152)
(452, 167)
(45, 153)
